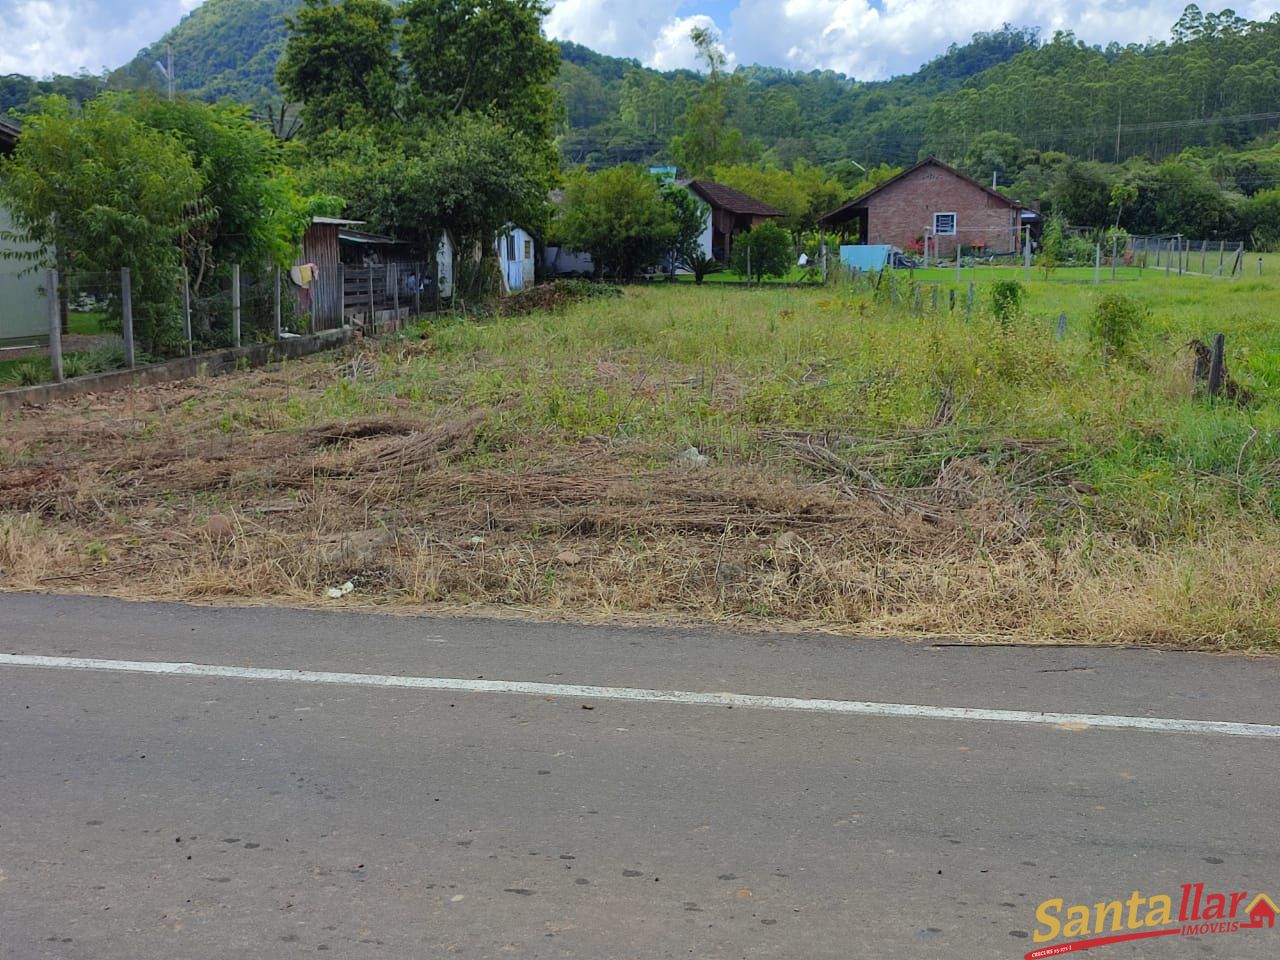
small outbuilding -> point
(515, 248)
(936, 204)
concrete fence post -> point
(126, 310)
(186, 310)
(55, 324)
(235, 304)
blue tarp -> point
(863, 256)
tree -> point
(99, 190)
(482, 56)
(251, 210)
(765, 251)
(617, 216)
(464, 174)
(340, 61)
(689, 219)
(706, 138)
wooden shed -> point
(732, 212)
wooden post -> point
(276, 305)
(1097, 263)
(1203, 244)
(55, 324)
(126, 310)
(926, 251)
(1222, 246)
(1259, 266)
(368, 327)
(1167, 258)
(968, 304)
(417, 289)
(395, 294)
(235, 304)
(1215, 364)
(1115, 245)
(953, 299)
(934, 299)
(186, 310)
(959, 252)
(917, 302)
(1062, 325)
(1026, 252)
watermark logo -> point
(1069, 928)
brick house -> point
(932, 200)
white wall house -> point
(516, 257)
(24, 311)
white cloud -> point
(674, 50)
(622, 28)
(43, 37)
(876, 40)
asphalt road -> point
(172, 816)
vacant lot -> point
(820, 456)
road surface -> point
(437, 787)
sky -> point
(866, 39)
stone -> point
(219, 527)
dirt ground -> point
(196, 490)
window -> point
(944, 224)
(528, 249)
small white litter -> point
(337, 593)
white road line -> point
(912, 711)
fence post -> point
(959, 253)
(1062, 325)
(1203, 244)
(1097, 263)
(368, 328)
(186, 309)
(1259, 266)
(1167, 259)
(276, 304)
(1215, 364)
(126, 309)
(235, 304)
(1026, 253)
(1115, 244)
(934, 299)
(417, 289)
(395, 291)
(968, 304)
(55, 324)
(917, 301)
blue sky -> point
(867, 39)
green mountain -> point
(993, 104)
(222, 48)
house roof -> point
(861, 201)
(9, 133)
(338, 221)
(359, 236)
(727, 198)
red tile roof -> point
(735, 201)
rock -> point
(219, 527)
(727, 573)
(1084, 489)
(692, 458)
(568, 558)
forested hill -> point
(1215, 84)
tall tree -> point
(340, 61)
(706, 136)
(482, 56)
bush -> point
(1006, 299)
(1115, 323)
(768, 250)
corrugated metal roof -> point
(9, 133)
(727, 198)
(337, 221)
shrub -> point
(29, 373)
(767, 249)
(1006, 299)
(1115, 322)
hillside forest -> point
(1178, 136)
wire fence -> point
(107, 320)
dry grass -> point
(939, 528)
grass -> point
(867, 468)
